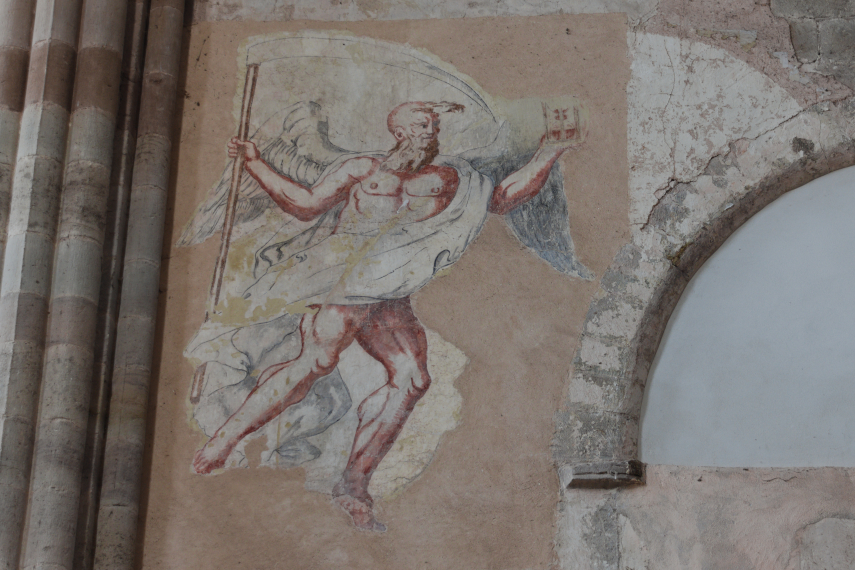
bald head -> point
(407, 115)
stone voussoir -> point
(813, 8)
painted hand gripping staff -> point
(311, 338)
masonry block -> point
(837, 46)
(813, 8)
(805, 37)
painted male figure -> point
(406, 188)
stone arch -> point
(596, 439)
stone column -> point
(111, 272)
(68, 365)
(16, 26)
(29, 254)
(119, 507)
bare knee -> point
(322, 361)
(421, 381)
(412, 378)
(403, 386)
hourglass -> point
(562, 123)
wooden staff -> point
(229, 219)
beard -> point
(407, 157)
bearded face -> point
(417, 143)
(411, 154)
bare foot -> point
(360, 512)
(209, 458)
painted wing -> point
(300, 149)
(542, 224)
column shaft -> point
(119, 506)
(16, 26)
(68, 364)
(111, 272)
(29, 252)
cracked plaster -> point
(687, 101)
(652, 271)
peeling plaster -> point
(579, 514)
(686, 102)
(730, 24)
(634, 554)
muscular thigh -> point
(333, 327)
(393, 335)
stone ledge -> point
(606, 475)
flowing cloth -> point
(390, 261)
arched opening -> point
(756, 365)
(597, 434)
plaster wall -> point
(694, 105)
(487, 497)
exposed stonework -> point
(805, 36)
(813, 8)
(837, 49)
(823, 34)
(704, 157)
(734, 103)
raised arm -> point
(522, 185)
(300, 201)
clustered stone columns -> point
(16, 22)
(30, 241)
(67, 376)
(15, 31)
(116, 225)
(70, 83)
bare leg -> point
(325, 335)
(393, 336)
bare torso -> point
(382, 196)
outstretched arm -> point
(522, 185)
(300, 201)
